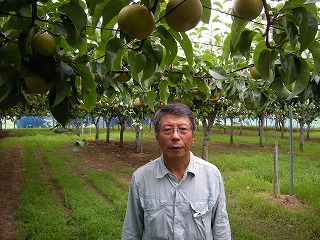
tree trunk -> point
(261, 127)
(276, 176)
(122, 123)
(205, 145)
(138, 143)
(308, 131)
(282, 129)
(266, 127)
(231, 130)
(301, 145)
(207, 125)
(241, 125)
(96, 123)
(107, 120)
(224, 125)
(81, 126)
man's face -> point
(175, 137)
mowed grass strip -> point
(91, 218)
(40, 212)
(253, 210)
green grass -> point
(60, 199)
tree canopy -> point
(207, 67)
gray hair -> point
(176, 109)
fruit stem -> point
(269, 22)
(154, 7)
(34, 12)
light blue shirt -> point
(159, 207)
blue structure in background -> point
(33, 122)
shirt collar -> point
(162, 169)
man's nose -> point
(175, 133)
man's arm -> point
(133, 222)
(221, 226)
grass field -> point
(58, 202)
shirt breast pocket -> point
(202, 215)
(155, 217)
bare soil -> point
(10, 182)
(97, 155)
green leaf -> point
(5, 89)
(226, 48)
(218, 73)
(13, 5)
(88, 87)
(11, 53)
(92, 6)
(164, 91)
(297, 3)
(167, 40)
(158, 52)
(150, 67)
(279, 88)
(291, 30)
(238, 26)
(151, 58)
(118, 60)
(68, 31)
(257, 51)
(61, 83)
(77, 15)
(204, 88)
(61, 112)
(302, 79)
(74, 21)
(174, 78)
(266, 64)
(96, 12)
(151, 99)
(112, 48)
(314, 48)
(22, 20)
(186, 45)
(206, 15)
(140, 61)
(136, 66)
(308, 27)
(289, 67)
(245, 42)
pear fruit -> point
(247, 9)
(138, 103)
(43, 43)
(37, 84)
(182, 16)
(136, 20)
(254, 73)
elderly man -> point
(178, 195)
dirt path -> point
(10, 182)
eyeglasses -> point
(170, 130)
